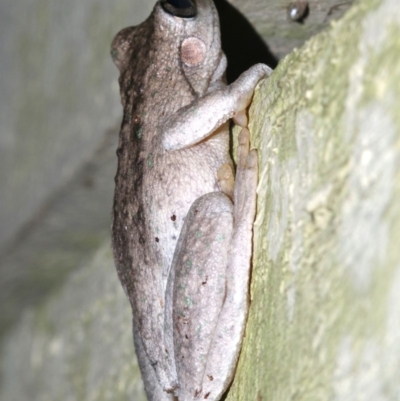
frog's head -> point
(181, 35)
(197, 37)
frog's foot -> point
(246, 181)
(243, 90)
(226, 180)
(224, 352)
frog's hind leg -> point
(197, 287)
(228, 335)
(153, 388)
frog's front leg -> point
(206, 114)
(208, 286)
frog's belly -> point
(167, 214)
(169, 197)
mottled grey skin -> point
(182, 248)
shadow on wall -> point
(241, 43)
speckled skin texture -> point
(182, 247)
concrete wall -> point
(59, 95)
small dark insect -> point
(297, 11)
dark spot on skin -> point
(196, 393)
(157, 239)
(210, 377)
(196, 211)
(173, 237)
(183, 320)
(173, 217)
(206, 396)
(187, 337)
(205, 281)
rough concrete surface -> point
(76, 346)
(59, 95)
(324, 322)
(282, 34)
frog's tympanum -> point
(182, 229)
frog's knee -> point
(213, 203)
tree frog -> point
(182, 229)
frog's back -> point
(155, 188)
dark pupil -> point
(179, 8)
(180, 3)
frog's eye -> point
(180, 8)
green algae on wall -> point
(325, 296)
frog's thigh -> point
(199, 267)
(153, 388)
